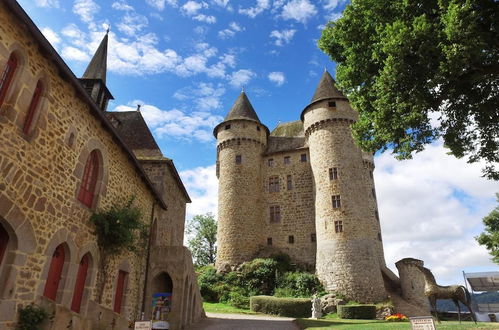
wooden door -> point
(55, 273)
(120, 288)
(81, 278)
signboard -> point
(143, 325)
(422, 323)
(161, 307)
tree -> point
(406, 64)
(203, 232)
(490, 238)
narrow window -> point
(374, 193)
(269, 240)
(271, 162)
(227, 126)
(333, 173)
(55, 273)
(258, 128)
(120, 290)
(336, 201)
(81, 278)
(287, 160)
(275, 214)
(313, 238)
(289, 182)
(332, 104)
(376, 215)
(274, 184)
(338, 226)
(303, 158)
(379, 237)
(371, 174)
(238, 159)
(291, 239)
(33, 106)
(89, 181)
(7, 76)
(4, 241)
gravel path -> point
(244, 322)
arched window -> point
(4, 241)
(33, 106)
(89, 181)
(81, 278)
(55, 272)
(7, 75)
(120, 290)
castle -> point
(304, 189)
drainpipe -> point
(147, 261)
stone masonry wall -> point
(40, 174)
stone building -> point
(304, 189)
(62, 158)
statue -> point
(316, 307)
(457, 293)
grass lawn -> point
(224, 309)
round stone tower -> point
(347, 245)
(241, 141)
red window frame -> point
(4, 241)
(35, 100)
(7, 76)
(120, 290)
(89, 181)
(81, 278)
(55, 273)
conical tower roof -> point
(98, 65)
(242, 109)
(327, 89)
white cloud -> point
(241, 77)
(122, 5)
(332, 4)
(160, 4)
(192, 7)
(277, 77)
(72, 53)
(176, 124)
(132, 23)
(252, 12)
(86, 9)
(47, 3)
(51, 36)
(202, 185)
(221, 3)
(230, 31)
(206, 96)
(210, 19)
(282, 37)
(299, 10)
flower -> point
(396, 318)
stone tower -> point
(348, 256)
(241, 141)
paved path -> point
(215, 321)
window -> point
(371, 174)
(269, 240)
(4, 241)
(376, 215)
(289, 182)
(55, 273)
(291, 239)
(275, 214)
(338, 226)
(287, 160)
(35, 100)
(374, 193)
(313, 238)
(379, 237)
(227, 126)
(303, 158)
(238, 159)
(89, 181)
(271, 162)
(274, 184)
(258, 128)
(120, 290)
(336, 201)
(7, 76)
(333, 173)
(331, 104)
(81, 278)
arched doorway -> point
(4, 242)
(162, 295)
(55, 272)
(81, 279)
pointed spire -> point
(327, 89)
(98, 65)
(242, 108)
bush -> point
(292, 307)
(207, 280)
(259, 275)
(298, 284)
(31, 317)
(367, 312)
(239, 299)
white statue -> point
(316, 307)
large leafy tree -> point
(490, 237)
(408, 64)
(202, 233)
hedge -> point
(367, 312)
(292, 307)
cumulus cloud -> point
(122, 5)
(202, 185)
(51, 36)
(72, 53)
(282, 37)
(210, 19)
(277, 77)
(47, 3)
(299, 10)
(86, 9)
(132, 23)
(193, 7)
(252, 12)
(160, 4)
(176, 124)
(230, 31)
(206, 96)
(241, 77)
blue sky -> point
(186, 62)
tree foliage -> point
(417, 70)
(202, 230)
(490, 237)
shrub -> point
(207, 280)
(30, 317)
(292, 307)
(298, 284)
(239, 299)
(259, 275)
(357, 312)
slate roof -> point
(287, 136)
(97, 68)
(327, 89)
(242, 109)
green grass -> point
(224, 309)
